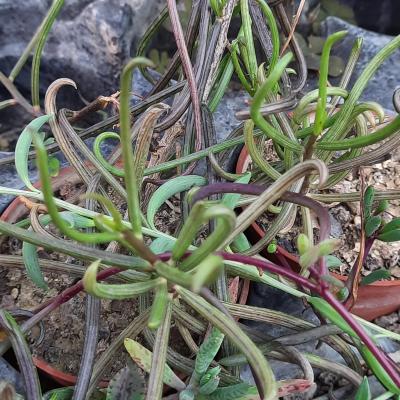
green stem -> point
(41, 41)
(127, 150)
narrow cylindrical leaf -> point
(159, 305)
(115, 291)
(207, 272)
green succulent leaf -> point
(142, 357)
(200, 214)
(234, 392)
(320, 250)
(127, 384)
(209, 375)
(59, 394)
(391, 236)
(391, 226)
(363, 392)
(240, 243)
(161, 245)
(369, 195)
(167, 190)
(259, 364)
(374, 276)
(272, 247)
(372, 224)
(115, 291)
(382, 207)
(54, 166)
(207, 272)
(159, 305)
(231, 199)
(187, 394)
(207, 351)
(22, 149)
(210, 386)
(29, 251)
(303, 243)
(332, 261)
(32, 266)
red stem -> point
(379, 355)
(271, 267)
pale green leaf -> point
(142, 357)
(22, 149)
(167, 190)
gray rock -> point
(378, 18)
(265, 296)
(10, 375)
(89, 43)
(386, 79)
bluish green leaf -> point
(32, 266)
(234, 392)
(332, 261)
(29, 251)
(76, 220)
(22, 149)
(231, 199)
(167, 190)
(187, 394)
(161, 245)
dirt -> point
(390, 322)
(64, 327)
(384, 176)
(346, 220)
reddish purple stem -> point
(271, 267)
(379, 355)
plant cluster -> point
(183, 278)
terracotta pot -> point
(379, 298)
(16, 209)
